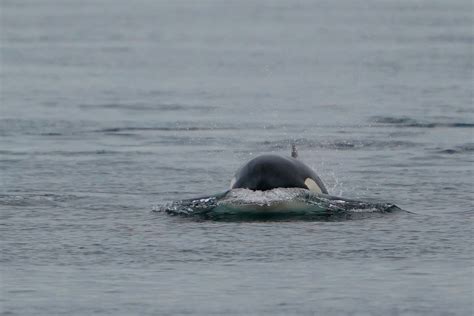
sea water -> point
(111, 109)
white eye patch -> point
(312, 186)
(232, 182)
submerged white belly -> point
(276, 200)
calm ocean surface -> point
(109, 108)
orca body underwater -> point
(269, 172)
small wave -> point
(367, 144)
(130, 106)
(34, 199)
(157, 128)
(51, 134)
(42, 127)
(393, 120)
(410, 122)
(276, 204)
(466, 148)
(341, 144)
(450, 38)
(147, 107)
(71, 153)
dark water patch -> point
(51, 134)
(276, 205)
(25, 291)
(43, 127)
(147, 107)
(9, 161)
(392, 120)
(12, 153)
(452, 38)
(164, 129)
(460, 149)
(410, 122)
(76, 153)
(465, 110)
(126, 135)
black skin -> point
(268, 172)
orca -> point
(267, 172)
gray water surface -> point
(110, 108)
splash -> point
(276, 204)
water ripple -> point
(405, 121)
(275, 205)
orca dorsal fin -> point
(294, 152)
